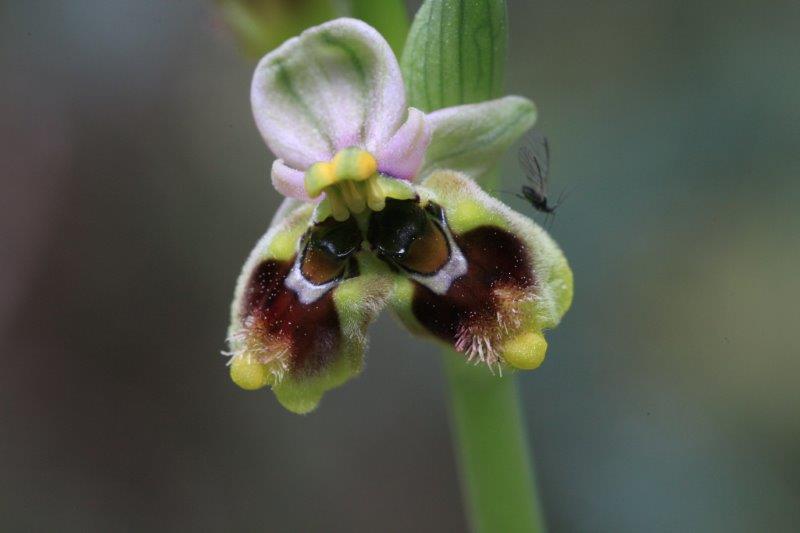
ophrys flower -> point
(382, 209)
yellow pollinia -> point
(350, 183)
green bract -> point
(455, 53)
(382, 209)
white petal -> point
(334, 86)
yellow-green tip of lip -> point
(249, 374)
(525, 351)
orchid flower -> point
(382, 210)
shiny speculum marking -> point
(328, 251)
(416, 240)
(327, 257)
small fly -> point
(534, 158)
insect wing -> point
(534, 158)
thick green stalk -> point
(456, 54)
(493, 452)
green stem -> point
(497, 478)
(456, 54)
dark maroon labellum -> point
(496, 260)
(310, 332)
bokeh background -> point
(133, 184)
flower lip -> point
(465, 269)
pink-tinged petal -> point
(288, 181)
(334, 86)
(402, 156)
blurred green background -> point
(133, 183)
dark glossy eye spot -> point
(393, 229)
(339, 239)
(320, 267)
(328, 247)
(428, 253)
(410, 236)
